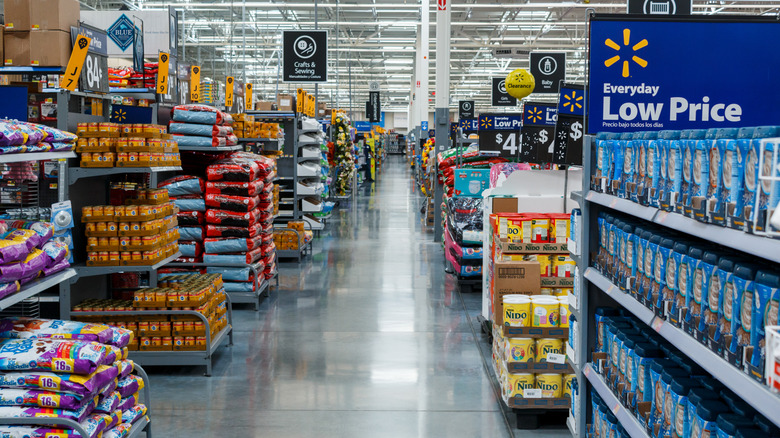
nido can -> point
(546, 346)
(567, 381)
(517, 311)
(546, 311)
(521, 350)
(517, 383)
(563, 307)
(550, 384)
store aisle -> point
(367, 338)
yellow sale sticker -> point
(71, 77)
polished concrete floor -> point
(368, 337)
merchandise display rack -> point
(142, 426)
(75, 173)
(262, 287)
(237, 147)
(304, 247)
(173, 357)
(596, 290)
(36, 287)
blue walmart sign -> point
(571, 101)
(469, 125)
(121, 32)
(500, 122)
(652, 74)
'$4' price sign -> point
(506, 142)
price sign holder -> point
(249, 104)
(229, 92)
(569, 129)
(95, 65)
(538, 132)
(71, 77)
(162, 72)
(506, 142)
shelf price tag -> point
(532, 393)
(657, 323)
(248, 102)
(229, 92)
(195, 83)
(556, 358)
(70, 79)
(162, 73)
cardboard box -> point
(25, 15)
(264, 106)
(505, 205)
(50, 48)
(285, 102)
(513, 277)
(471, 182)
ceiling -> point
(374, 40)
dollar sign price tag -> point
(229, 92)
(195, 83)
(162, 73)
(71, 77)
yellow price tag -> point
(71, 77)
(162, 73)
(248, 97)
(195, 83)
(229, 92)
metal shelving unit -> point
(261, 287)
(627, 420)
(36, 287)
(237, 147)
(75, 173)
(91, 271)
(143, 425)
(36, 156)
(595, 290)
(170, 358)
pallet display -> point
(262, 287)
(598, 284)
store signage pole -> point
(316, 26)
(442, 108)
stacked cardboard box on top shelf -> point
(37, 32)
(290, 240)
(142, 232)
(203, 294)
(530, 279)
(114, 145)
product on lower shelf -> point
(668, 393)
(67, 370)
(162, 332)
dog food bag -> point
(129, 402)
(190, 203)
(41, 398)
(190, 218)
(126, 367)
(108, 404)
(93, 426)
(62, 356)
(765, 311)
(119, 431)
(80, 385)
(705, 422)
(183, 185)
(45, 230)
(129, 385)
(235, 188)
(133, 414)
(702, 276)
(742, 310)
(76, 415)
(25, 328)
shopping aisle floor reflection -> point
(365, 338)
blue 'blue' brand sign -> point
(121, 32)
(539, 114)
(653, 74)
(500, 122)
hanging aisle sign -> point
(374, 107)
(305, 56)
(162, 73)
(500, 96)
(95, 77)
(466, 109)
(651, 73)
(538, 132)
(229, 92)
(248, 102)
(195, 84)
(571, 123)
(300, 97)
(548, 69)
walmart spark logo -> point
(627, 43)
(486, 123)
(572, 102)
(120, 115)
(534, 115)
